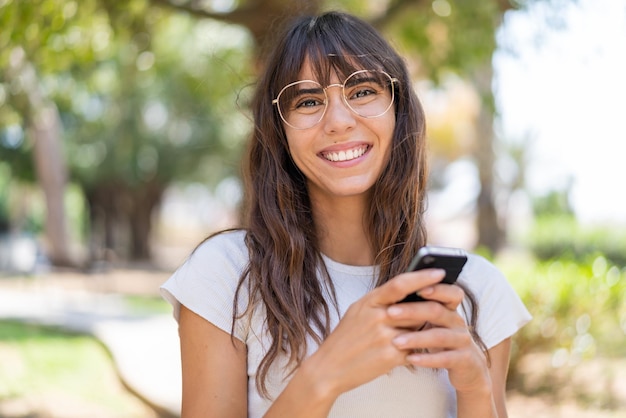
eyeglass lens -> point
(367, 93)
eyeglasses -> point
(368, 93)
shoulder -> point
(207, 281)
(483, 278)
(225, 249)
(479, 269)
(502, 312)
(216, 265)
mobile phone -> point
(451, 260)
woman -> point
(295, 315)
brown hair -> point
(281, 236)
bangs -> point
(331, 47)
(326, 64)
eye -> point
(363, 91)
(308, 102)
(304, 97)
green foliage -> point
(4, 197)
(142, 93)
(78, 218)
(555, 203)
(556, 233)
(21, 206)
(146, 97)
(448, 35)
(578, 308)
(159, 112)
(562, 237)
(15, 149)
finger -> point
(413, 315)
(450, 296)
(446, 359)
(403, 284)
(433, 339)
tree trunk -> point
(140, 219)
(52, 177)
(44, 126)
(262, 18)
(490, 233)
(121, 220)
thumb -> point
(403, 284)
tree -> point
(459, 37)
(139, 95)
(26, 28)
(138, 112)
(442, 36)
(160, 122)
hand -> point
(446, 339)
(361, 347)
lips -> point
(345, 155)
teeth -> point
(345, 155)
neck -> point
(342, 230)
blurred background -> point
(121, 130)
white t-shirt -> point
(206, 285)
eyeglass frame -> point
(343, 97)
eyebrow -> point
(302, 92)
(359, 80)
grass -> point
(147, 305)
(48, 372)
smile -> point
(351, 154)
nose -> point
(338, 115)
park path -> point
(144, 347)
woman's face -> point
(344, 154)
